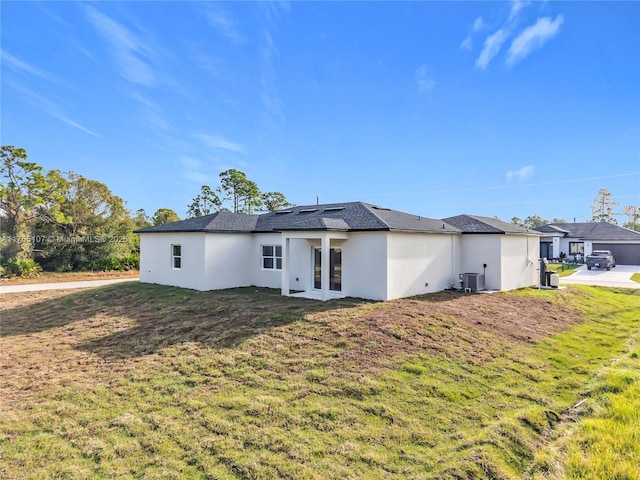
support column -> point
(285, 266)
(324, 273)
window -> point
(272, 257)
(576, 248)
(176, 256)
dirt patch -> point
(450, 324)
(90, 337)
(519, 317)
(49, 277)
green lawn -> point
(636, 277)
(563, 269)
(143, 381)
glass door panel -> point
(317, 268)
(335, 269)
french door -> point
(335, 269)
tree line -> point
(603, 209)
(63, 221)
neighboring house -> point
(328, 251)
(580, 239)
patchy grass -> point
(148, 381)
(636, 277)
(602, 438)
(52, 277)
(563, 269)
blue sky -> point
(435, 108)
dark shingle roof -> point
(351, 216)
(551, 229)
(477, 224)
(216, 222)
(596, 231)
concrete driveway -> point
(620, 276)
(62, 285)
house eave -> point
(194, 231)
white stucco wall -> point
(478, 250)
(512, 260)
(564, 245)
(519, 261)
(156, 259)
(364, 265)
(419, 263)
(588, 247)
(300, 271)
(259, 276)
(375, 265)
(555, 253)
(228, 260)
(209, 261)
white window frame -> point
(175, 257)
(274, 257)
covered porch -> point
(319, 256)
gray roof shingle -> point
(595, 231)
(216, 222)
(350, 216)
(477, 224)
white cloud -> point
(222, 22)
(209, 64)
(151, 113)
(49, 107)
(20, 66)
(126, 47)
(216, 141)
(467, 43)
(492, 46)
(478, 24)
(424, 79)
(532, 38)
(516, 7)
(272, 10)
(520, 175)
(271, 100)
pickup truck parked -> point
(601, 259)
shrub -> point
(122, 264)
(22, 268)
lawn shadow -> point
(156, 316)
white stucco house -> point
(336, 250)
(579, 239)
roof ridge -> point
(369, 208)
